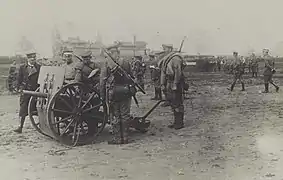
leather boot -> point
(243, 87)
(116, 134)
(21, 125)
(266, 88)
(155, 94)
(276, 87)
(172, 125)
(120, 137)
(232, 87)
(179, 121)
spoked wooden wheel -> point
(76, 114)
(33, 114)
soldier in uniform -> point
(219, 63)
(254, 65)
(27, 80)
(12, 77)
(138, 70)
(70, 72)
(238, 71)
(172, 80)
(120, 95)
(268, 71)
(155, 77)
(167, 48)
(84, 68)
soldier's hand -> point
(162, 87)
(20, 90)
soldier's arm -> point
(20, 77)
(78, 72)
(103, 79)
(162, 77)
(177, 67)
(267, 64)
(136, 69)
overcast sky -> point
(211, 26)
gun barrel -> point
(36, 94)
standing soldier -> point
(167, 48)
(27, 80)
(119, 95)
(68, 64)
(254, 65)
(238, 71)
(219, 63)
(250, 63)
(172, 80)
(138, 70)
(155, 77)
(12, 77)
(268, 71)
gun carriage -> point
(72, 113)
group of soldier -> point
(167, 76)
(239, 70)
(251, 63)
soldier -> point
(155, 77)
(120, 95)
(70, 72)
(138, 70)
(12, 77)
(167, 48)
(238, 71)
(219, 63)
(84, 68)
(268, 71)
(254, 65)
(27, 80)
(172, 80)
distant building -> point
(77, 45)
(131, 49)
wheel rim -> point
(75, 115)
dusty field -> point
(228, 136)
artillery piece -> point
(71, 113)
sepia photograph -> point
(141, 90)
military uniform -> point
(12, 78)
(238, 69)
(268, 71)
(155, 77)
(254, 65)
(219, 64)
(119, 95)
(138, 70)
(163, 56)
(27, 80)
(69, 66)
(172, 79)
(83, 69)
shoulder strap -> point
(169, 59)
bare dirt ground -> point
(228, 136)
